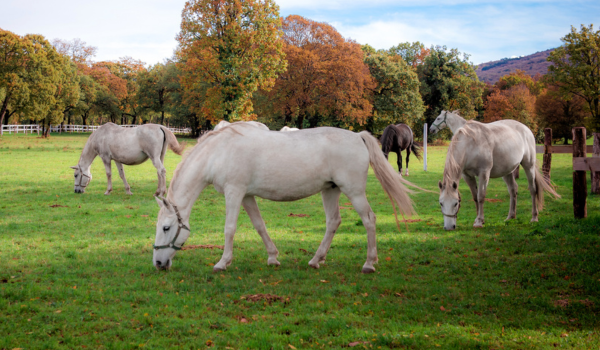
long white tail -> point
(172, 141)
(391, 181)
(541, 186)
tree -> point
(449, 82)
(326, 81)
(396, 95)
(412, 53)
(519, 77)
(156, 86)
(75, 49)
(67, 90)
(28, 75)
(235, 47)
(560, 112)
(515, 103)
(576, 68)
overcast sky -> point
(146, 29)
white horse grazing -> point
(129, 146)
(224, 123)
(447, 119)
(287, 128)
(483, 151)
(242, 162)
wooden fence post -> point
(596, 174)
(547, 164)
(425, 147)
(579, 177)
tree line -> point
(239, 60)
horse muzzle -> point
(160, 265)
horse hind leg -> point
(251, 208)
(122, 175)
(362, 207)
(331, 198)
(407, 158)
(530, 173)
(399, 160)
(162, 176)
(512, 186)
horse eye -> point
(441, 204)
(75, 175)
(455, 204)
(166, 228)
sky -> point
(146, 29)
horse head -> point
(82, 178)
(439, 123)
(171, 234)
(449, 202)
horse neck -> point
(455, 122)
(455, 159)
(87, 155)
(187, 184)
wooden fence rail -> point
(30, 128)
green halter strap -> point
(171, 244)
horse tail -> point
(393, 184)
(416, 149)
(542, 185)
(172, 141)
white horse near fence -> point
(481, 151)
(129, 146)
(242, 162)
(447, 119)
(224, 123)
(287, 129)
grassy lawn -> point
(77, 269)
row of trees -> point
(238, 60)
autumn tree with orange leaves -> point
(326, 78)
(234, 47)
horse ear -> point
(160, 202)
(455, 111)
(454, 185)
(74, 167)
(440, 185)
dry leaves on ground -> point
(202, 246)
(266, 297)
(298, 215)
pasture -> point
(77, 269)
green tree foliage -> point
(448, 82)
(30, 72)
(235, 47)
(156, 87)
(576, 68)
(412, 53)
(67, 91)
(560, 112)
(396, 97)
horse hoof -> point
(368, 270)
(106, 193)
(273, 262)
(128, 193)
(219, 269)
(313, 265)
(534, 220)
(477, 225)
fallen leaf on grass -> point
(411, 220)
(561, 302)
(202, 246)
(58, 206)
(58, 311)
(144, 216)
(291, 346)
(259, 297)
(444, 309)
(353, 344)
(324, 281)
(388, 258)
(299, 215)
(303, 250)
(503, 281)
(493, 200)
(345, 207)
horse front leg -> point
(512, 186)
(108, 168)
(472, 182)
(331, 200)
(122, 175)
(251, 208)
(481, 192)
(362, 207)
(233, 201)
(407, 158)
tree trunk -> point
(162, 117)
(579, 177)
(547, 163)
(596, 174)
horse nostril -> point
(453, 227)
(158, 263)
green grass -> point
(80, 274)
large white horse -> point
(224, 123)
(242, 161)
(481, 151)
(129, 146)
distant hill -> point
(532, 64)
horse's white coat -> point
(129, 146)
(287, 128)
(242, 162)
(224, 123)
(483, 151)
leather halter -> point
(180, 225)
(81, 178)
(457, 209)
(442, 122)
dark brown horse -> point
(398, 138)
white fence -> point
(31, 128)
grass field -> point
(76, 269)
